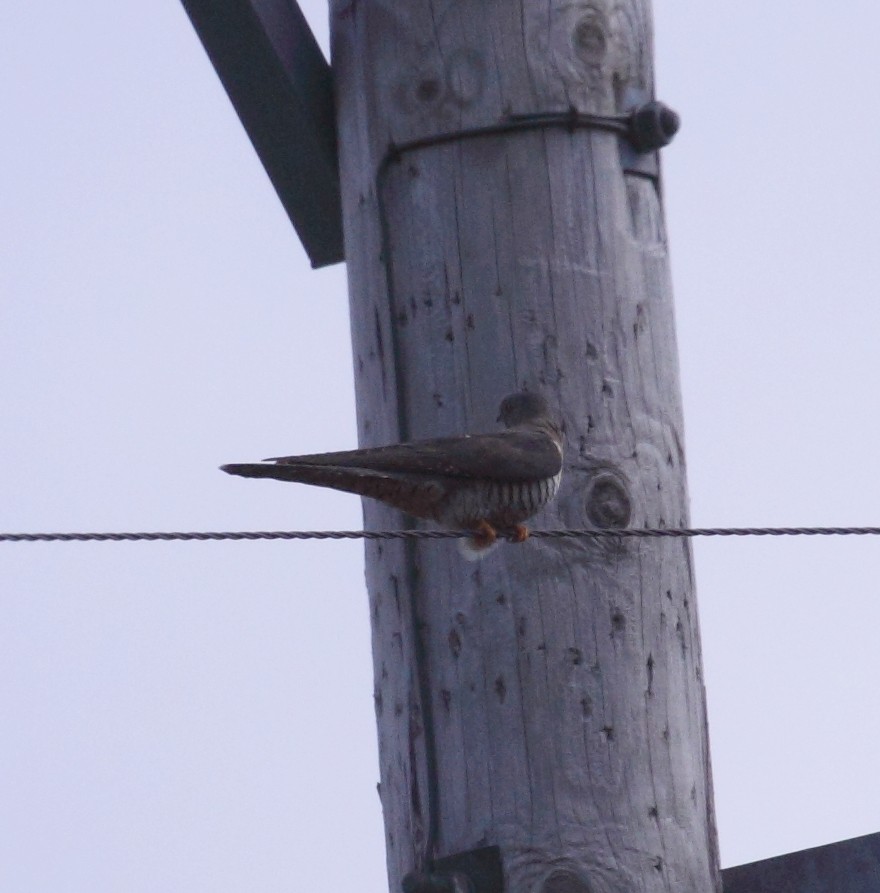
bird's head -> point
(524, 408)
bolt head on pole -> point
(652, 126)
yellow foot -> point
(520, 533)
(484, 535)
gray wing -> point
(505, 456)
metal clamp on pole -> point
(646, 126)
(651, 125)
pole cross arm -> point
(282, 89)
(849, 866)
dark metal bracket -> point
(281, 86)
(474, 871)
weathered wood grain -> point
(565, 677)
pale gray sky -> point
(198, 717)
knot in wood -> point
(563, 880)
(608, 502)
(590, 40)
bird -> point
(484, 483)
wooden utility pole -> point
(548, 700)
(542, 700)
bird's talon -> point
(485, 535)
(520, 533)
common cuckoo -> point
(479, 482)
